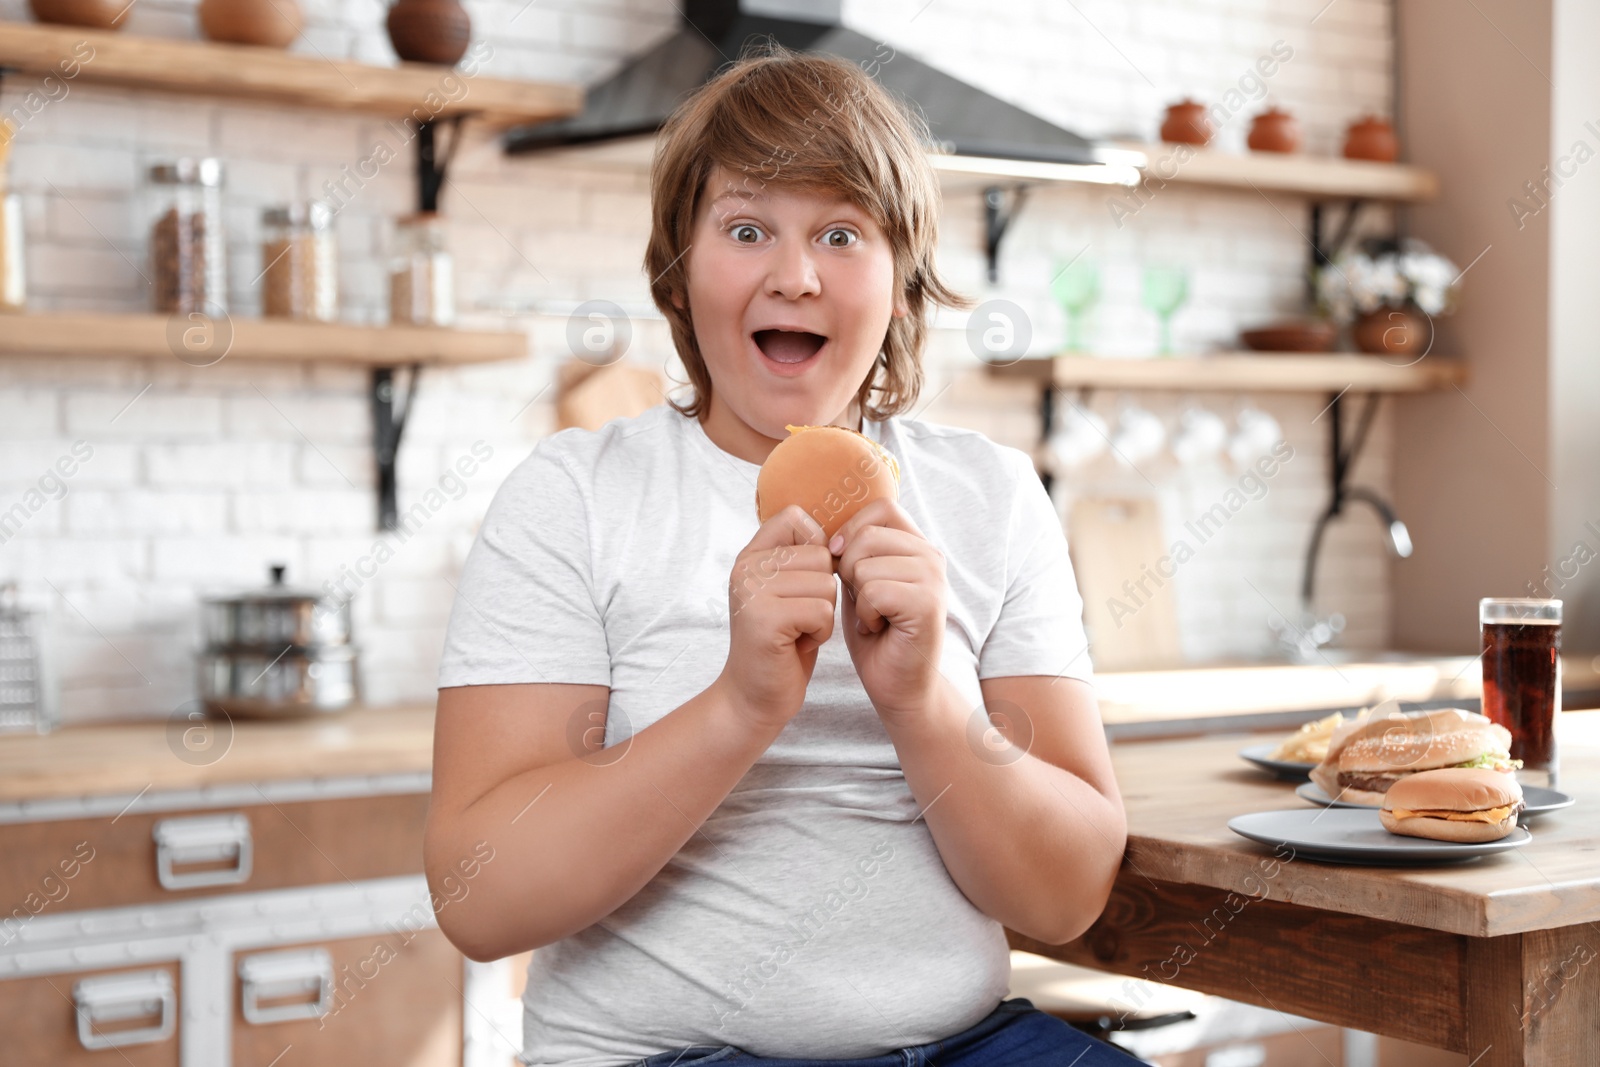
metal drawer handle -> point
(202, 839)
(119, 997)
(274, 975)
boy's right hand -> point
(781, 602)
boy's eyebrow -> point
(732, 194)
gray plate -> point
(1354, 835)
(1536, 800)
(1260, 755)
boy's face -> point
(790, 292)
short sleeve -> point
(1040, 627)
(525, 609)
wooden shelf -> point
(1240, 372)
(282, 340)
(1311, 176)
(1314, 176)
(269, 75)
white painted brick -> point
(322, 419)
(412, 601)
(77, 561)
(24, 462)
(29, 413)
(231, 560)
(71, 168)
(106, 414)
(221, 464)
(143, 513)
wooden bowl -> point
(1300, 335)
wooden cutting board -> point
(592, 396)
(1128, 606)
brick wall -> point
(197, 482)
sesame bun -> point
(1365, 759)
(1453, 804)
(830, 471)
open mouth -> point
(789, 346)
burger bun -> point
(832, 472)
(1420, 804)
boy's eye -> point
(746, 233)
(839, 238)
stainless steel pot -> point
(276, 616)
(289, 682)
(277, 652)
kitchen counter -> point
(1264, 695)
(138, 757)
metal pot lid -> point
(274, 592)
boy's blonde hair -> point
(783, 118)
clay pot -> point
(1402, 331)
(269, 23)
(1274, 130)
(430, 31)
(98, 14)
(1370, 137)
(1187, 123)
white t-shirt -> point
(812, 916)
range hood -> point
(972, 130)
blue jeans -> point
(1015, 1034)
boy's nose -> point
(792, 272)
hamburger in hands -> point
(1453, 804)
(1372, 755)
(830, 471)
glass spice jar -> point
(13, 290)
(188, 254)
(421, 273)
(299, 262)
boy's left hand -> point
(895, 591)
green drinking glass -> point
(1165, 290)
(1076, 286)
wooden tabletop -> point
(1180, 794)
(130, 757)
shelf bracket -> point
(388, 424)
(1341, 458)
(1322, 254)
(432, 168)
(997, 218)
(1047, 420)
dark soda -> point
(1522, 686)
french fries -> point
(1309, 744)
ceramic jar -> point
(269, 23)
(97, 14)
(1370, 137)
(1274, 130)
(1393, 331)
(1187, 123)
(429, 31)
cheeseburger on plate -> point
(1371, 755)
(1453, 804)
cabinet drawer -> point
(392, 998)
(104, 862)
(131, 1016)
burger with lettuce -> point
(1370, 755)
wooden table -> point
(1497, 958)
